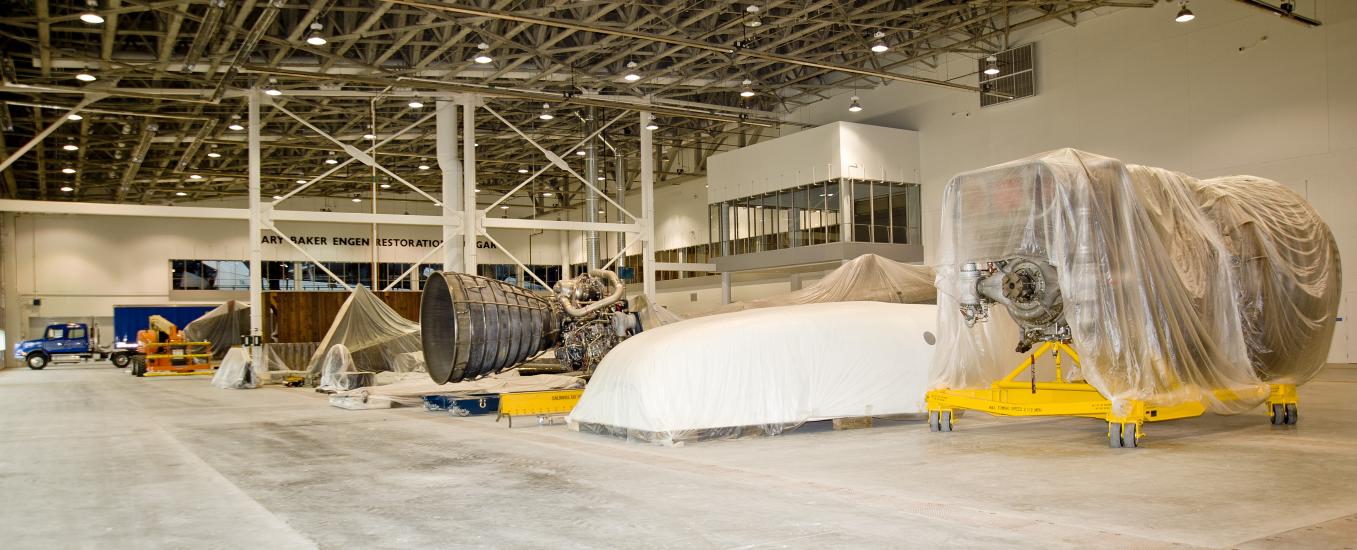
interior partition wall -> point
(813, 214)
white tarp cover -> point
(762, 371)
(236, 371)
(366, 336)
(1175, 289)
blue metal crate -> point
(463, 405)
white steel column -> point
(256, 218)
(454, 256)
(471, 216)
(647, 208)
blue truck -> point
(80, 341)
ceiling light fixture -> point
(270, 90)
(68, 170)
(385, 186)
(522, 170)
(546, 114)
(880, 45)
(1184, 14)
(316, 39)
(631, 75)
(484, 56)
(548, 194)
(652, 126)
(70, 147)
(84, 76)
(180, 194)
(991, 65)
(747, 91)
(236, 127)
(74, 116)
(854, 106)
(194, 177)
(67, 189)
(752, 20)
(277, 197)
(301, 181)
(416, 105)
(214, 155)
(369, 136)
(423, 167)
(504, 208)
(357, 199)
(89, 16)
(580, 153)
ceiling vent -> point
(1016, 79)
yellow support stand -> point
(1067, 397)
(540, 403)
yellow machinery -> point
(163, 350)
(541, 403)
(1065, 396)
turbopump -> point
(1027, 287)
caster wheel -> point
(1122, 435)
(939, 421)
(1280, 416)
(1292, 415)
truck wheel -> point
(120, 360)
(36, 360)
(138, 366)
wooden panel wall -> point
(300, 316)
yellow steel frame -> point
(540, 403)
(1065, 397)
(159, 364)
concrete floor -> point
(91, 457)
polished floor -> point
(93, 458)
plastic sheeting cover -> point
(373, 337)
(1175, 289)
(762, 371)
(868, 277)
(222, 326)
(236, 371)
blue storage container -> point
(463, 405)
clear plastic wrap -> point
(1174, 289)
(761, 372)
(868, 278)
(367, 336)
(223, 326)
(236, 371)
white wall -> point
(680, 219)
(84, 265)
(1135, 85)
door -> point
(55, 339)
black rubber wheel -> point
(1278, 414)
(1114, 435)
(120, 360)
(1292, 415)
(138, 366)
(36, 360)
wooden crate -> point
(305, 316)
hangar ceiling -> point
(716, 74)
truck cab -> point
(60, 339)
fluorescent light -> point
(214, 155)
(416, 105)
(67, 189)
(85, 77)
(68, 170)
(91, 18)
(236, 127)
(195, 177)
(74, 116)
(1184, 15)
(70, 147)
